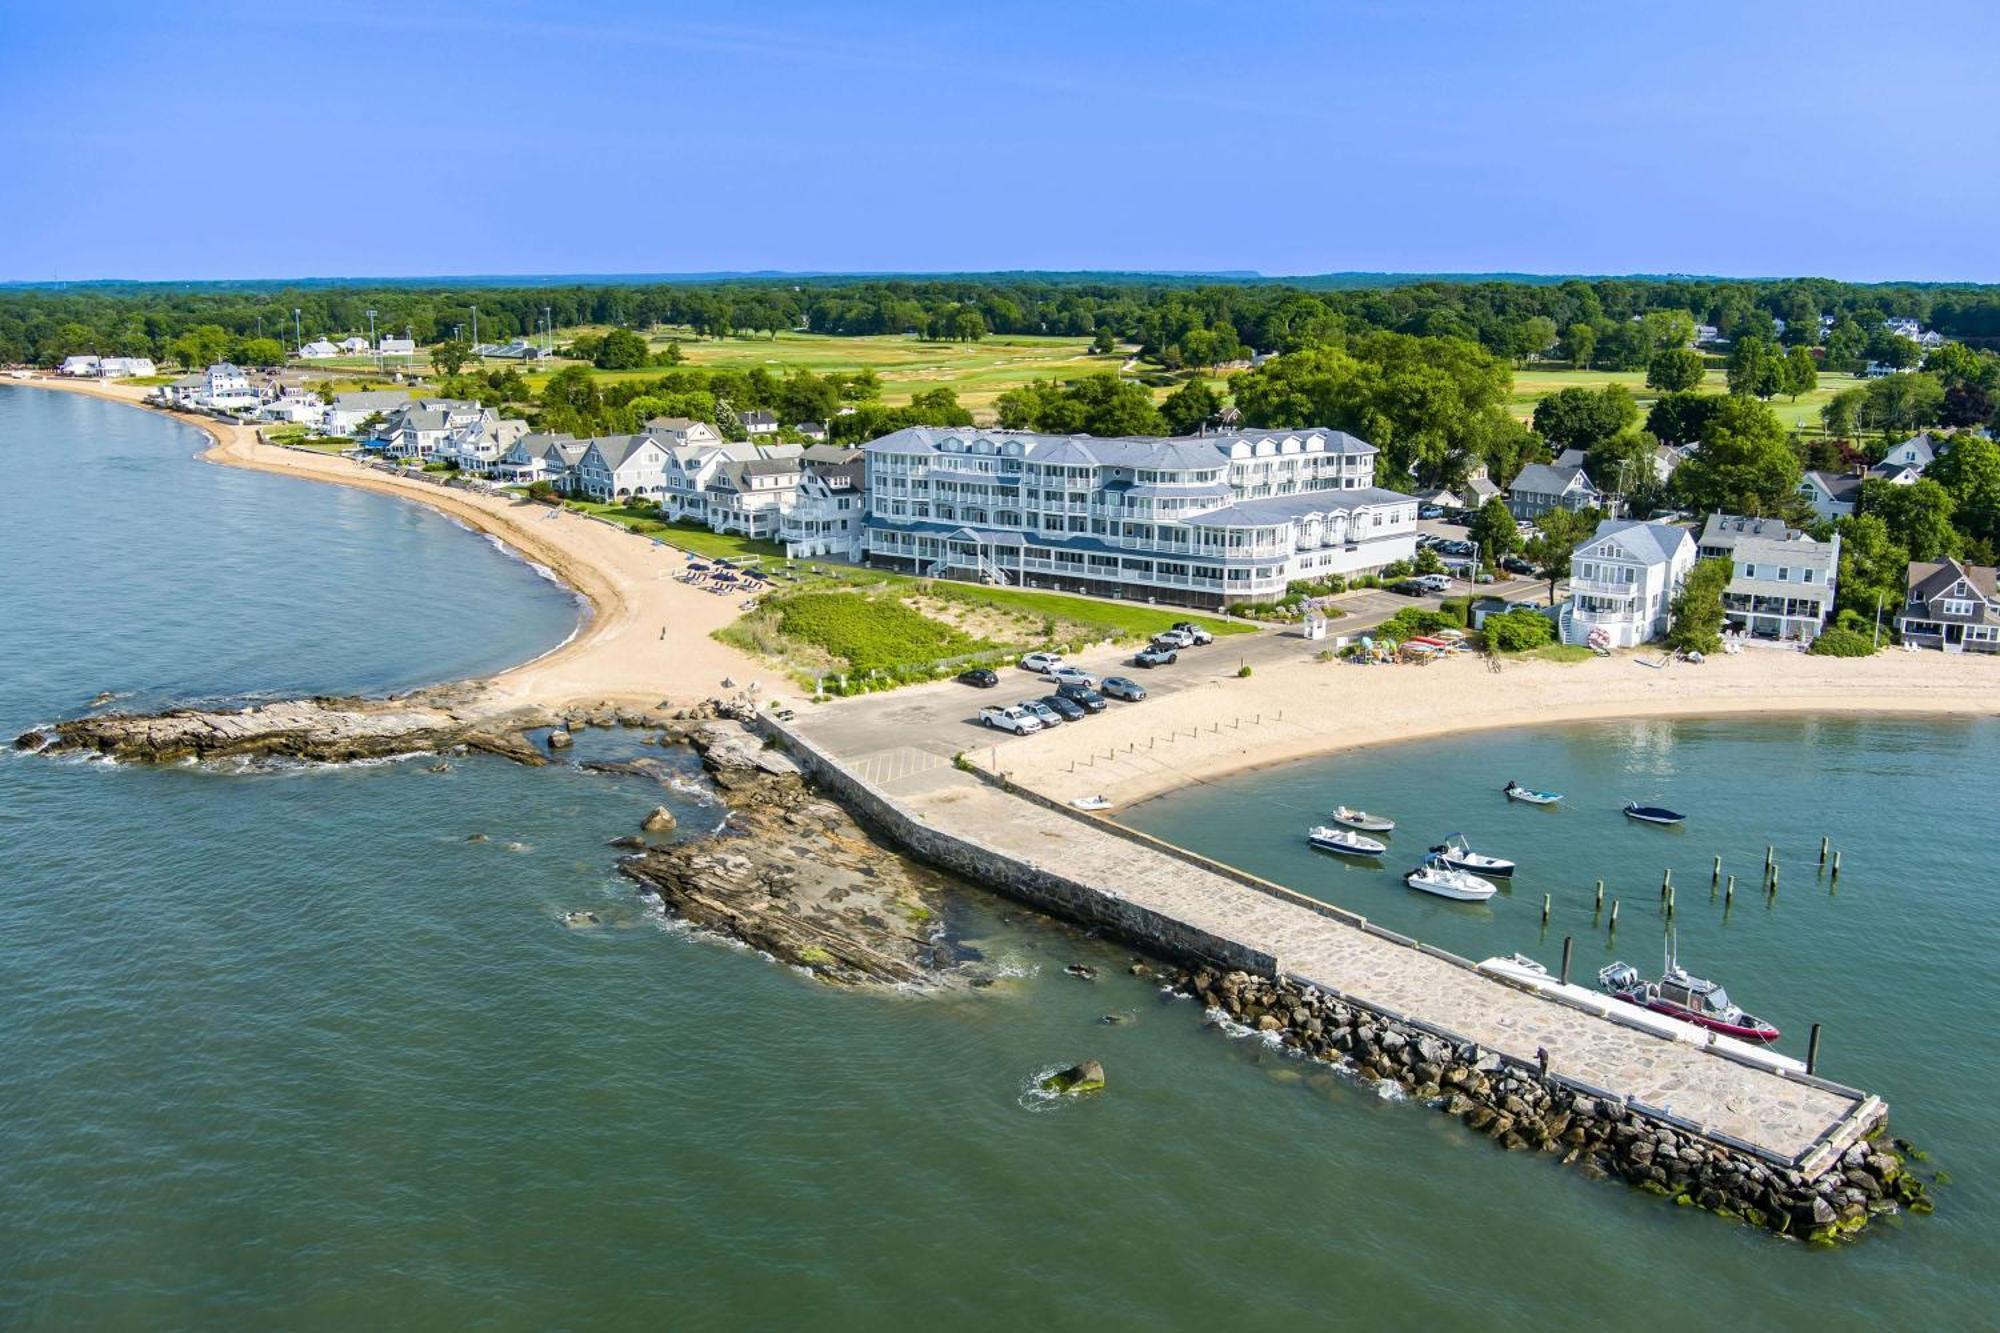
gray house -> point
(1951, 606)
(1540, 487)
(1782, 588)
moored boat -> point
(1457, 853)
(1362, 820)
(1692, 999)
(1653, 814)
(1434, 876)
(1514, 791)
(1092, 802)
(1343, 841)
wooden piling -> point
(1812, 1050)
(1600, 897)
(1822, 850)
(1614, 916)
(1774, 881)
(1769, 852)
(1670, 901)
(1836, 865)
(1545, 909)
(1729, 894)
(1569, 942)
(1667, 882)
(1715, 877)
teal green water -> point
(282, 1048)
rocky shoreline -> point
(1526, 1111)
(792, 874)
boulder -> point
(661, 820)
(630, 841)
(560, 739)
(1077, 1080)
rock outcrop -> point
(1077, 1080)
(792, 874)
(332, 730)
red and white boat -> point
(1678, 994)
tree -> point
(1918, 516)
(1517, 631)
(1557, 534)
(1970, 473)
(1676, 370)
(620, 349)
(1531, 336)
(1897, 403)
(449, 357)
(1579, 345)
(203, 345)
(1874, 567)
(1579, 418)
(1755, 368)
(1745, 464)
(1493, 529)
(1696, 624)
(570, 401)
(1682, 418)
(1841, 414)
(1104, 342)
(258, 352)
(1190, 407)
(1800, 373)
(1846, 346)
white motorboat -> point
(1362, 820)
(1457, 853)
(1343, 842)
(1092, 802)
(1514, 791)
(1434, 876)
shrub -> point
(1395, 569)
(1459, 609)
(1429, 562)
(541, 490)
(872, 633)
(1842, 642)
(1243, 671)
(1518, 631)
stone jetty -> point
(1790, 1150)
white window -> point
(1807, 575)
(1784, 573)
(1749, 571)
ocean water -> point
(286, 1048)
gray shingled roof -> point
(1654, 543)
(1544, 479)
(1270, 510)
(1181, 452)
(615, 449)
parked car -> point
(1155, 655)
(1435, 582)
(1429, 511)
(1044, 714)
(1061, 707)
(1041, 662)
(1011, 717)
(1200, 636)
(1085, 697)
(1514, 564)
(1069, 675)
(1124, 687)
(1173, 638)
(1409, 588)
(984, 677)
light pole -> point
(475, 334)
(298, 339)
(373, 346)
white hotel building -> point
(1203, 520)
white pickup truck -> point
(1012, 718)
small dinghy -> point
(1434, 876)
(1692, 999)
(1457, 853)
(1092, 803)
(1514, 791)
(1362, 820)
(1653, 814)
(1343, 842)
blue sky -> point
(273, 140)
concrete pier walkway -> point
(1139, 885)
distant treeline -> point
(1176, 322)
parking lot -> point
(923, 726)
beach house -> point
(1201, 520)
(540, 457)
(675, 432)
(1622, 583)
(347, 411)
(748, 497)
(828, 508)
(319, 349)
(616, 468)
(124, 367)
(1540, 487)
(758, 422)
(225, 388)
(427, 428)
(1783, 584)
(78, 366)
(1951, 606)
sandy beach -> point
(647, 640)
(1298, 708)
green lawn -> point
(1083, 617)
(1538, 382)
(699, 540)
(1553, 652)
(977, 372)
